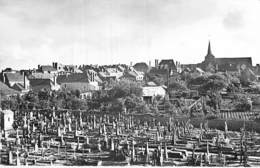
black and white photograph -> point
(130, 83)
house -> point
(93, 77)
(43, 84)
(257, 72)
(7, 119)
(39, 75)
(78, 81)
(150, 92)
(169, 65)
(6, 91)
(134, 75)
(65, 69)
(110, 72)
(47, 69)
(16, 81)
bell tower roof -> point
(209, 54)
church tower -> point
(209, 57)
(209, 64)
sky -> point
(79, 32)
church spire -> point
(209, 49)
(209, 55)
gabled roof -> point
(169, 62)
(5, 90)
(18, 86)
(14, 77)
(74, 77)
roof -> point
(151, 83)
(159, 71)
(7, 112)
(47, 68)
(112, 70)
(38, 75)
(121, 68)
(82, 87)
(40, 82)
(169, 62)
(5, 90)
(96, 78)
(141, 66)
(236, 60)
(199, 70)
(14, 77)
(153, 91)
(132, 73)
(18, 86)
(74, 77)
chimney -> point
(3, 77)
(156, 63)
(24, 81)
(150, 64)
(131, 63)
(55, 65)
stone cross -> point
(80, 120)
(94, 121)
(133, 152)
(99, 146)
(18, 163)
(87, 140)
(165, 151)
(147, 152)
(58, 131)
(10, 157)
(112, 147)
(35, 147)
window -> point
(8, 118)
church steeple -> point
(209, 55)
(209, 49)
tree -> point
(200, 80)
(243, 103)
(117, 106)
(133, 102)
(6, 104)
(177, 86)
(77, 93)
(213, 85)
(246, 77)
(43, 95)
(125, 88)
(78, 104)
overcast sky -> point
(36, 32)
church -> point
(213, 64)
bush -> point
(243, 104)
